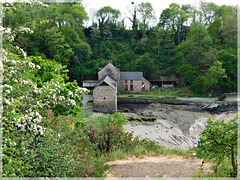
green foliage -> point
(70, 132)
(173, 19)
(209, 81)
(111, 142)
(229, 27)
(186, 42)
(229, 59)
(50, 70)
(36, 157)
(147, 15)
(214, 30)
(44, 133)
(188, 72)
(57, 46)
(57, 29)
(60, 152)
(199, 65)
(108, 133)
(107, 20)
(218, 142)
(31, 145)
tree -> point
(68, 15)
(146, 64)
(147, 15)
(209, 12)
(159, 38)
(58, 47)
(192, 50)
(198, 54)
(107, 19)
(133, 17)
(210, 80)
(229, 59)
(229, 26)
(215, 31)
(218, 142)
(174, 17)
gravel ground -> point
(157, 167)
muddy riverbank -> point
(174, 125)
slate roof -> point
(131, 75)
(108, 81)
(101, 68)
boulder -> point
(223, 97)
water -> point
(230, 98)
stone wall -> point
(104, 99)
(137, 85)
(147, 84)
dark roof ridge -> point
(107, 79)
(109, 63)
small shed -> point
(105, 95)
(89, 83)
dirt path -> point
(157, 166)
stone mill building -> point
(110, 81)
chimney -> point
(109, 62)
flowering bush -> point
(26, 104)
(41, 114)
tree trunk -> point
(232, 157)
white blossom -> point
(73, 102)
(8, 86)
(70, 93)
(7, 102)
(38, 67)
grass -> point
(156, 93)
(148, 149)
(138, 96)
(141, 151)
(224, 170)
(92, 116)
(168, 93)
(87, 106)
(87, 113)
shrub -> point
(108, 132)
(218, 143)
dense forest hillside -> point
(199, 46)
(47, 52)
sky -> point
(158, 5)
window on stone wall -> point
(131, 87)
(125, 81)
(131, 81)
